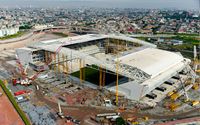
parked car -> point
(76, 122)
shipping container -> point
(19, 98)
(20, 92)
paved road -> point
(23, 37)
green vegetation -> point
(179, 34)
(143, 38)
(25, 27)
(12, 36)
(187, 39)
(186, 34)
(183, 47)
(120, 121)
(60, 34)
(92, 75)
(14, 103)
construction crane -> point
(60, 113)
(28, 80)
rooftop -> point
(152, 61)
(90, 37)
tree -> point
(120, 121)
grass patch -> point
(187, 39)
(92, 75)
(12, 36)
(14, 103)
(181, 34)
(60, 34)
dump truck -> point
(173, 106)
(175, 96)
(195, 102)
(195, 86)
(170, 93)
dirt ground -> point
(8, 114)
(32, 39)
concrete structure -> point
(142, 66)
(8, 31)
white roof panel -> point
(89, 37)
(152, 61)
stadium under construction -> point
(124, 65)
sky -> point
(172, 4)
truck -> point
(21, 92)
(15, 81)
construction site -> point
(97, 78)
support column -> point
(100, 77)
(63, 62)
(58, 62)
(104, 77)
(54, 62)
(81, 70)
(117, 80)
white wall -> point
(8, 31)
(130, 89)
(24, 55)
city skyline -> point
(158, 4)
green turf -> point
(14, 103)
(92, 75)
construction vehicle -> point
(135, 123)
(171, 93)
(194, 103)
(21, 92)
(173, 106)
(25, 81)
(146, 118)
(15, 81)
(60, 113)
(37, 87)
(108, 103)
(132, 119)
(174, 96)
(195, 86)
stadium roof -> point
(140, 66)
(90, 37)
(152, 61)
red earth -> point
(8, 114)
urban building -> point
(8, 31)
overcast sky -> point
(178, 4)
